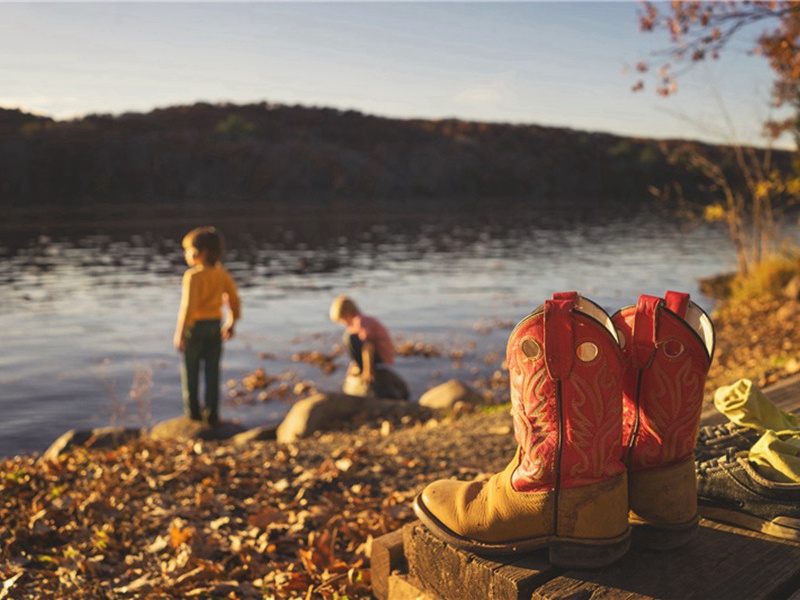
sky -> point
(561, 64)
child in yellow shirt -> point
(207, 286)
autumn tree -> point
(701, 31)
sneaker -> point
(714, 440)
(730, 490)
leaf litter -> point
(200, 519)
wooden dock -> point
(722, 562)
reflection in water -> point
(87, 313)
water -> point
(90, 303)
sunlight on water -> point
(85, 312)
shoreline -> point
(773, 357)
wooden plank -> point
(745, 532)
(403, 587)
(786, 394)
(447, 572)
(795, 596)
(387, 557)
(721, 562)
(580, 589)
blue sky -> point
(566, 64)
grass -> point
(767, 279)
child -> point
(371, 350)
(207, 285)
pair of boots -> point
(606, 412)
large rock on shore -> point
(325, 411)
(388, 385)
(257, 434)
(178, 428)
(450, 395)
(185, 428)
(101, 437)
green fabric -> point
(746, 405)
(203, 346)
(777, 459)
(776, 454)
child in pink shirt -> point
(367, 341)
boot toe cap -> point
(447, 500)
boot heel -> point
(652, 537)
(577, 555)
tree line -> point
(278, 154)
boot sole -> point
(785, 528)
(663, 537)
(570, 553)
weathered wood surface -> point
(445, 572)
(387, 557)
(403, 587)
(721, 562)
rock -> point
(792, 289)
(355, 386)
(257, 434)
(718, 286)
(463, 408)
(788, 311)
(792, 366)
(102, 437)
(185, 428)
(447, 396)
(324, 411)
(388, 385)
(317, 412)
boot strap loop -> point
(677, 302)
(643, 346)
(558, 354)
(566, 296)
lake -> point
(91, 298)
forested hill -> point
(283, 154)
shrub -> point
(767, 278)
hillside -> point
(268, 154)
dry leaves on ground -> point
(184, 520)
(757, 340)
(200, 519)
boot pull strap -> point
(677, 302)
(566, 296)
(643, 345)
(558, 334)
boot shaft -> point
(565, 370)
(667, 346)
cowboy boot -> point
(667, 345)
(566, 487)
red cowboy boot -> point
(566, 488)
(667, 345)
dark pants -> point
(203, 345)
(387, 384)
(355, 348)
